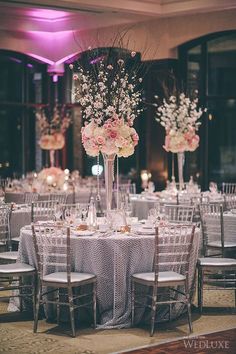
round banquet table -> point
(113, 259)
(21, 216)
(141, 205)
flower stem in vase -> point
(52, 158)
(109, 177)
(180, 158)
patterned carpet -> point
(16, 335)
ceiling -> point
(63, 15)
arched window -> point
(209, 65)
(21, 87)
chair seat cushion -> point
(11, 255)
(217, 262)
(163, 277)
(15, 239)
(61, 277)
(218, 244)
(15, 268)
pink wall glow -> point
(40, 58)
(47, 15)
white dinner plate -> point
(83, 232)
(145, 231)
(147, 226)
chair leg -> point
(37, 304)
(95, 305)
(188, 307)
(34, 287)
(20, 294)
(71, 306)
(58, 306)
(132, 302)
(153, 310)
(200, 288)
(189, 316)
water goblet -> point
(213, 187)
(152, 215)
(58, 212)
(70, 215)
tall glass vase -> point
(52, 158)
(109, 178)
(180, 158)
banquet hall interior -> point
(117, 176)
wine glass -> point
(58, 212)
(213, 187)
(152, 215)
(83, 212)
(70, 215)
(128, 209)
(2, 196)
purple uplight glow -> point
(41, 59)
(48, 15)
(97, 60)
(29, 66)
(47, 36)
(55, 78)
(67, 58)
(18, 61)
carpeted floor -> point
(16, 334)
(215, 343)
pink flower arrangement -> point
(110, 98)
(52, 176)
(180, 118)
(55, 141)
(180, 142)
(115, 136)
(53, 131)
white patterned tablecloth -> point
(20, 217)
(113, 259)
(229, 226)
(141, 205)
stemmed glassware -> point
(2, 196)
(58, 212)
(82, 212)
(70, 214)
(213, 187)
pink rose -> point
(135, 138)
(112, 134)
(100, 140)
(193, 143)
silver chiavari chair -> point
(30, 197)
(215, 270)
(56, 275)
(228, 188)
(42, 210)
(229, 201)
(213, 231)
(173, 245)
(179, 213)
(6, 253)
(61, 198)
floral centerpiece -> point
(114, 137)
(110, 99)
(180, 118)
(52, 177)
(53, 131)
